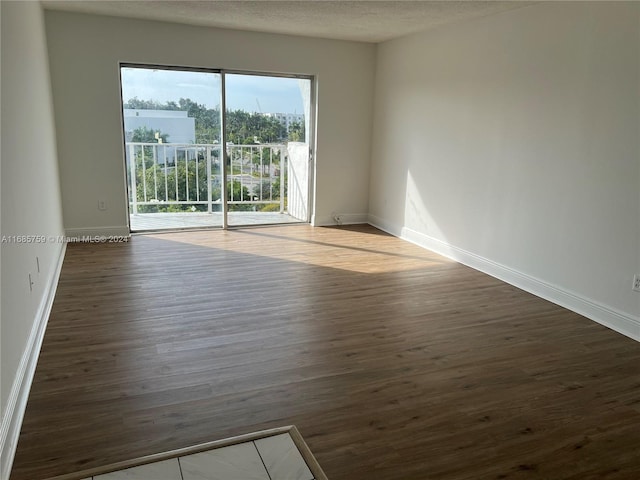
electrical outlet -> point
(636, 283)
(102, 205)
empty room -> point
(315, 240)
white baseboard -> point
(621, 322)
(340, 219)
(78, 234)
(17, 401)
(384, 225)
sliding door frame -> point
(223, 141)
(310, 135)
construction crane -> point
(259, 107)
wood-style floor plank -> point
(393, 362)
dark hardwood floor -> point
(393, 362)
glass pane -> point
(266, 118)
(173, 147)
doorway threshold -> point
(155, 222)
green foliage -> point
(270, 189)
(191, 184)
(138, 104)
(296, 132)
(243, 128)
(207, 120)
(260, 157)
(269, 207)
(186, 181)
(271, 192)
(238, 193)
(160, 186)
(147, 135)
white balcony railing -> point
(187, 177)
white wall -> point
(30, 206)
(511, 143)
(85, 52)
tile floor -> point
(269, 458)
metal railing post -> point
(134, 191)
(209, 189)
(144, 175)
(248, 175)
(282, 178)
(155, 172)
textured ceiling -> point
(366, 21)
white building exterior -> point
(287, 118)
(179, 127)
(176, 124)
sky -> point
(251, 93)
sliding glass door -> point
(180, 176)
(268, 151)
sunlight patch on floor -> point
(273, 242)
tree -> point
(296, 132)
(237, 192)
(161, 187)
(207, 120)
(243, 128)
(138, 104)
(186, 180)
(148, 135)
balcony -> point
(177, 186)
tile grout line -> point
(262, 460)
(180, 468)
(89, 474)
